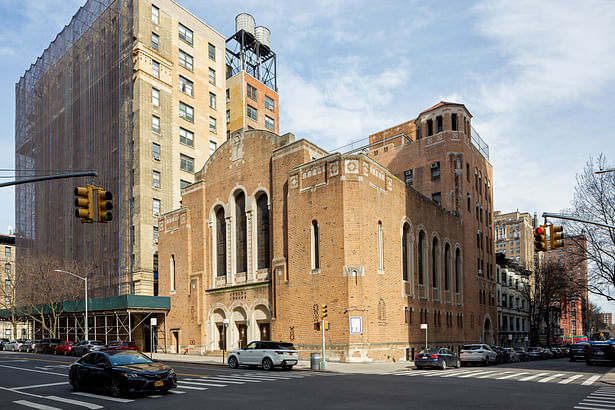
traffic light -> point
(555, 237)
(104, 205)
(540, 239)
(324, 311)
(84, 203)
(317, 326)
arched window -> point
(262, 209)
(405, 251)
(220, 242)
(172, 273)
(457, 270)
(315, 246)
(382, 310)
(421, 262)
(241, 232)
(380, 248)
(435, 250)
(447, 266)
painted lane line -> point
(154, 396)
(511, 375)
(475, 374)
(599, 394)
(35, 405)
(183, 386)
(600, 399)
(222, 380)
(75, 402)
(199, 383)
(248, 379)
(99, 396)
(525, 379)
(273, 376)
(596, 403)
(32, 370)
(42, 368)
(491, 375)
(571, 378)
(38, 385)
(588, 408)
(591, 380)
(548, 379)
(177, 392)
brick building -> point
(273, 228)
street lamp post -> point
(85, 279)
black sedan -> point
(121, 372)
(436, 357)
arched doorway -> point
(218, 333)
(240, 334)
(262, 319)
(487, 332)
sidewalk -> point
(609, 378)
(340, 367)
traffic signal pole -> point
(323, 361)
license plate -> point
(158, 384)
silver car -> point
(265, 354)
(13, 345)
(477, 353)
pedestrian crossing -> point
(603, 398)
(584, 379)
(184, 385)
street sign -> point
(226, 321)
(423, 325)
(356, 325)
(153, 321)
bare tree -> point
(594, 200)
(593, 320)
(41, 291)
(7, 297)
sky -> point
(536, 76)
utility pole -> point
(323, 361)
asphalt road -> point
(41, 381)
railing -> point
(480, 145)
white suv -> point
(477, 353)
(266, 354)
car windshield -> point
(124, 358)
(431, 350)
(96, 342)
(472, 347)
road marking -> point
(177, 392)
(511, 375)
(591, 380)
(203, 383)
(273, 376)
(75, 402)
(216, 379)
(602, 394)
(596, 403)
(99, 396)
(38, 385)
(587, 408)
(32, 370)
(571, 378)
(462, 373)
(35, 405)
(475, 374)
(183, 386)
(252, 379)
(491, 375)
(154, 396)
(547, 379)
(532, 377)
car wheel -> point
(443, 365)
(487, 361)
(116, 388)
(267, 364)
(232, 362)
(458, 364)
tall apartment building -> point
(441, 156)
(251, 81)
(513, 306)
(514, 237)
(135, 90)
(607, 319)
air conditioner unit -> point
(435, 165)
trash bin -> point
(315, 361)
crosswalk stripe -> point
(38, 385)
(227, 380)
(475, 374)
(491, 375)
(183, 386)
(590, 381)
(177, 392)
(511, 375)
(586, 408)
(199, 383)
(35, 405)
(571, 378)
(468, 373)
(597, 403)
(546, 379)
(250, 378)
(600, 394)
(75, 402)
(100, 396)
(525, 379)
(271, 376)
(154, 396)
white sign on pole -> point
(153, 321)
(423, 325)
(509, 337)
(356, 325)
(226, 321)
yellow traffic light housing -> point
(324, 311)
(540, 239)
(104, 205)
(556, 239)
(84, 203)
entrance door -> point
(243, 335)
(176, 341)
(221, 340)
(264, 331)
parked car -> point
(65, 347)
(2, 342)
(436, 357)
(120, 345)
(27, 346)
(535, 353)
(502, 356)
(513, 357)
(477, 353)
(13, 345)
(578, 351)
(86, 346)
(522, 353)
(47, 345)
(600, 352)
(547, 353)
(121, 372)
(266, 354)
